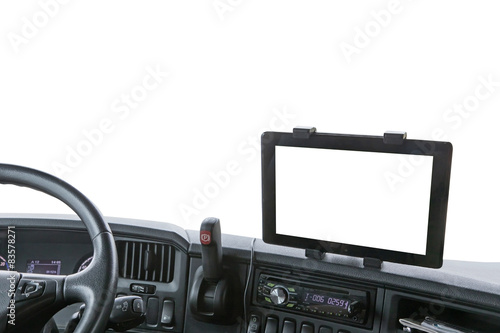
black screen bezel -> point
(438, 203)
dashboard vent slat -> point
(146, 261)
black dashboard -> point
(277, 288)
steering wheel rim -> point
(96, 285)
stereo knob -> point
(279, 295)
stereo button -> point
(354, 308)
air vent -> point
(146, 261)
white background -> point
(233, 67)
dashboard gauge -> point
(4, 265)
(84, 263)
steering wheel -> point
(30, 300)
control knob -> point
(279, 295)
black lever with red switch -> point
(215, 294)
(211, 249)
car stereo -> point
(375, 197)
(339, 303)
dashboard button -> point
(324, 329)
(136, 288)
(307, 328)
(138, 306)
(271, 325)
(254, 324)
(288, 327)
(142, 288)
(167, 313)
(152, 311)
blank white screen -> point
(352, 197)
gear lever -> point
(215, 293)
(211, 249)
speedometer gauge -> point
(83, 263)
(4, 265)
